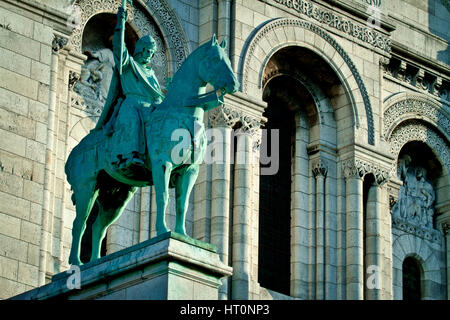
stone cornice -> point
(412, 56)
(329, 19)
(417, 77)
(50, 16)
(359, 10)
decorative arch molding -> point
(166, 20)
(407, 106)
(322, 103)
(426, 254)
(416, 130)
(281, 32)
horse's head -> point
(215, 67)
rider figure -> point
(140, 89)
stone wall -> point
(371, 95)
(27, 126)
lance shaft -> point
(122, 34)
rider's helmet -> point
(145, 42)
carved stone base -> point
(168, 267)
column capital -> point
(320, 167)
(223, 116)
(354, 168)
(358, 168)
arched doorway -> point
(298, 87)
(411, 279)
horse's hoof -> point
(181, 231)
(161, 230)
(75, 262)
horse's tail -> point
(77, 164)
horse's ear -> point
(223, 44)
(214, 40)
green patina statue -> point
(133, 142)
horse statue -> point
(89, 167)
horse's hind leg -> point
(84, 198)
(112, 201)
(183, 188)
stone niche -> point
(415, 233)
(92, 87)
(418, 169)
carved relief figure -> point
(95, 76)
(416, 196)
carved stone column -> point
(373, 254)
(354, 172)
(446, 230)
(300, 244)
(49, 176)
(242, 210)
(221, 120)
(320, 170)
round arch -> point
(173, 34)
(406, 106)
(407, 245)
(281, 32)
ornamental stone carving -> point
(95, 77)
(223, 117)
(227, 116)
(415, 130)
(137, 17)
(58, 43)
(357, 168)
(416, 230)
(282, 23)
(336, 21)
(416, 77)
(415, 107)
(416, 196)
(320, 168)
(92, 89)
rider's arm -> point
(121, 20)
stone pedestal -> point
(168, 267)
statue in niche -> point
(416, 196)
(95, 77)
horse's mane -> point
(199, 51)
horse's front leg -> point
(183, 188)
(161, 177)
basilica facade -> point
(343, 109)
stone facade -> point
(365, 82)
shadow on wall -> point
(439, 25)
